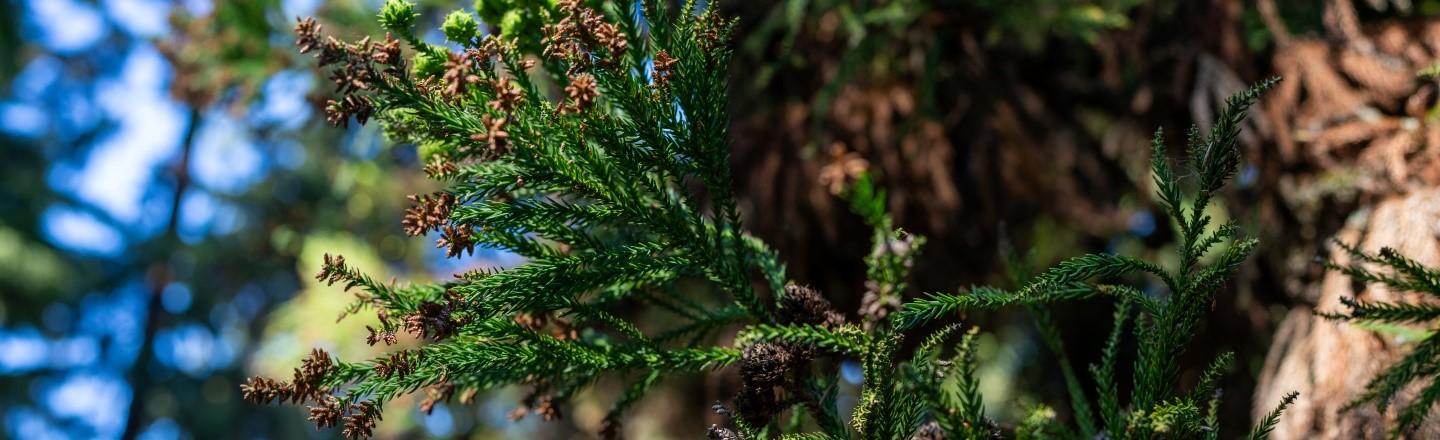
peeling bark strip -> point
(1332, 361)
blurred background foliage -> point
(168, 187)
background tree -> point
(152, 224)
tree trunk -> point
(1330, 362)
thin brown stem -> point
(158, 276)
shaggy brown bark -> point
(1330, 362)
(974, 140)
(1355, 161)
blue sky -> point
(119, 176)
(84, 384)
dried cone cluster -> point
(580, 94)
(558, 328)
(664, 69)
(929, 431)
(460, 72)
(465, 70)
(506, 98)
(713, 30)
(360, 423)
(429, 212)
(435, 394)
(334, 270)
(803, 305)
(359, 418)
(377, 336)
(327, 413)
(357, 67)
(306, 385)
(432, 320)
(456, 239)
(436, 321)
(582, 32)
(584, 40)
(432, 213)
(400, 364)
(766, 368)
(440, 167)
(495, 135)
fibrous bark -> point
(1330, 362)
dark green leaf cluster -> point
(600, 155)
(1421, 365)
(1165, 323)
(615, 193)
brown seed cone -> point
(765, 364)
(803, 305)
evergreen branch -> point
(1085, 267)
(1426, 280)
(935, 305)
(1104, 373)
(1224, 232)
(917, 312)
(1420, 362)
(929, 373)
(810, 436)
(1267, 424)
(1207, 390)
(1212, 416)
(971, 408)
(1218, 158)
(1211, 277)
(929, 349)
(1397, 313)
(705, 324)
(624, 327)
(847, 340)
(552, 283)
(819, 400)
(1416, 411)
(1167, 186)
(372, 293)
(1040, 423)
(769, 264)
(1171, 419)
(619, 188)
(1412, 276)
(1210, 377)
(1131, 295)
(1080, 404)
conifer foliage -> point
(600, 154)
(1162, 325)
(1422, 364)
